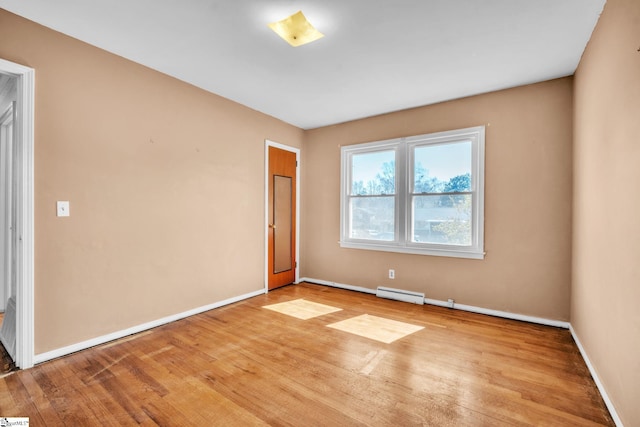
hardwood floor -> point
(246, 365)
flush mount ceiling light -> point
(296, 30)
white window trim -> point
(404, 171)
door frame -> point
(24, 143)
(267, 144)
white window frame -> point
(404, 149)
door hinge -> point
(296, 264)
(296, 163)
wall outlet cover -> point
(62, 208)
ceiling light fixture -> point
(296, 30)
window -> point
(421, 195)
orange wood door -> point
(282, 218)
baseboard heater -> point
(400, 295)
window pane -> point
(442, 168)
(372, 218)
(442, 219)
(373, 173)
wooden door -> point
(282, 218)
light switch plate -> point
(63, 208)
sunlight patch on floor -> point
(302, 309)
(376, 328)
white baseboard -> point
(471, 308)
(338, 285)
(43, 357)
(596, 379)
(503, 314)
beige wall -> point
(606, 242)
(166, 184)
(527, 204)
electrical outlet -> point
(392, 274)
(450, 303)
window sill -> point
(446, 252)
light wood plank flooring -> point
(245, 365)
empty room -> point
(329, 213)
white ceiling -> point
(377, 56)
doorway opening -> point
(8, 237)
(16, 211)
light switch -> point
(63, 208)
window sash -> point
(364, 151)
(404, 237)
(449, 230)
(373, 227)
